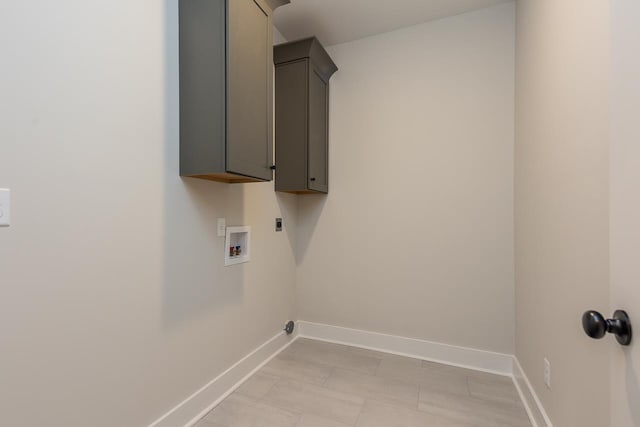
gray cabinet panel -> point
(202, 86)
(303, 70)
(226, 89)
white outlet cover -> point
(222, 227)
(5, 207)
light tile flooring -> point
(317, 384)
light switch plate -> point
(5, 207)
(222, 227)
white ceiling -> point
(339, 21)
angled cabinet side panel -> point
(202, 86)
(291, 125)
(250, 80)
(318, 138)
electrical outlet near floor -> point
(547, 372)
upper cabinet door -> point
(318, 138)
(291, 125)
(249, 98)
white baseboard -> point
(480, 360)
(532, 403)
(193, 408)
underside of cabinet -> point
(301, 191)
(229, 178)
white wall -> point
(562, 203)
(625, 206)
(416, 235)
(114, 302)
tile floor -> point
(317, 384)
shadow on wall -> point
(633, 390)
(310, 207)
(288, 204)
(194, 277)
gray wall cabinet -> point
(303, 70)
(226, 89)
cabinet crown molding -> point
(306, 48)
